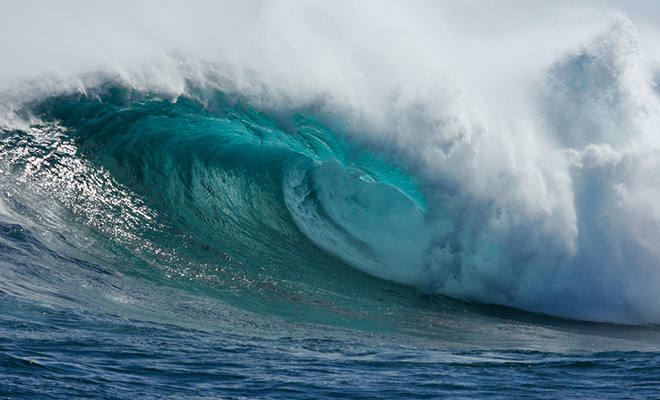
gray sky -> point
(70, 37)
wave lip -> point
(549, 207)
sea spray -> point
(275, 199)
(532, 191)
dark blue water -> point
(54, 352)
(221, 242)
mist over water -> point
(529, 134)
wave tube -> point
(527, 158)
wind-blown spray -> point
(391, 138)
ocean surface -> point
(177, 226)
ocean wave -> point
(548, 207)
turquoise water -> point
(164, 248)
(184, 230)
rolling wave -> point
(250, 187)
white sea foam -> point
(533, 129)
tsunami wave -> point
(234, 184)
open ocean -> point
(341, 200)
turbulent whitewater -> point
(339, 200)
(557, 218)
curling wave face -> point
(555, 214)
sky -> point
(310, 39)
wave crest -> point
(548, 207)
